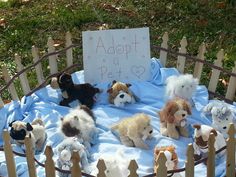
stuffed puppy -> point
(133, 131)
(173, 118)
(119, 94)
(171, 158)
(221, 115)
(182, 86)
(201, 136)
(65, 150)
(84, 93)
(80, 122)
(36, 130)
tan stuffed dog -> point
(173, 118)
(119, 94)
(133, 131)
(36, 130)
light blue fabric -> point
(44, 104)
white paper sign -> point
(122, 55)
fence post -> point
(1, 103)
(211, 156)
(75, 169)
(30, 156)
(11, 167)
(23, 78)
(161, 169)
(69, 52)
(52, 58)
(189, 164)
(198, 66)
(181, 59)
(38, 67)
(133, 166)
(164, 44)
(231, 89)
(101, 168)
(49, 163)
(11, 88)
(230, 161)
(216, 73)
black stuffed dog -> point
(84, 93)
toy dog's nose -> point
(150, 132)
(122, 96)
(183, 115)
(224, 127)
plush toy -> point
(36, 130)
(80, 122)
(171, 158)
(83, 93)
(201, 136)
(173, 118)
(182, 86)
(65, 150)
(221, 115)
(133, 131)
(119, 94)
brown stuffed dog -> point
(119, 94)
(171, 157)
(134, 130)
(173, 118)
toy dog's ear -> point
(54, 83)
(187, 107)
(128, 85)
(197, 126)
(10, 124)
(29, 127)
(109, 90)
(113, 82)
(214, 132)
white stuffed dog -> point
(182, 86)
(221, 115)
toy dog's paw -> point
(174, 135)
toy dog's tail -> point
(37, 121)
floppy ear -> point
(128, 85)
(197, 126)
(54, 83)
(214, 132)
(170, 109)
(113, 82)
(29, 127)
(109, 90)
(187, 107)
(132, 130)
(10, 124)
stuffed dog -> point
(173, 118)
(133, 131)
(119, 94)
(80, 122)
(36, 130)
(201, 136)
(182, 86)
(84, 93)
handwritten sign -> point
(122, 55)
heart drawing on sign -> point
(138, 71)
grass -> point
(32, 22)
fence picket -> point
(133, 166)
(69, 52)
(49, 163)
(23, 78)
(230, 165)
(30, 156)
(181, 59)
(164, 44)
(161, 169)
(211, 156)
(75, 169)
(11, 167)
(189, 164)
(198, 66)
(38, 67)
(52, 58)
(1, 103)
(231, 89)
(11, 88)
(101, 168)
(216, 73)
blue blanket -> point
(44, 104)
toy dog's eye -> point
(227, 119)
(144, 128)
(191, 86)
(182, 86)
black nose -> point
(122, 96)
(150, 132)
(183, 115)
(224, 127)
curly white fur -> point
(182, 86)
